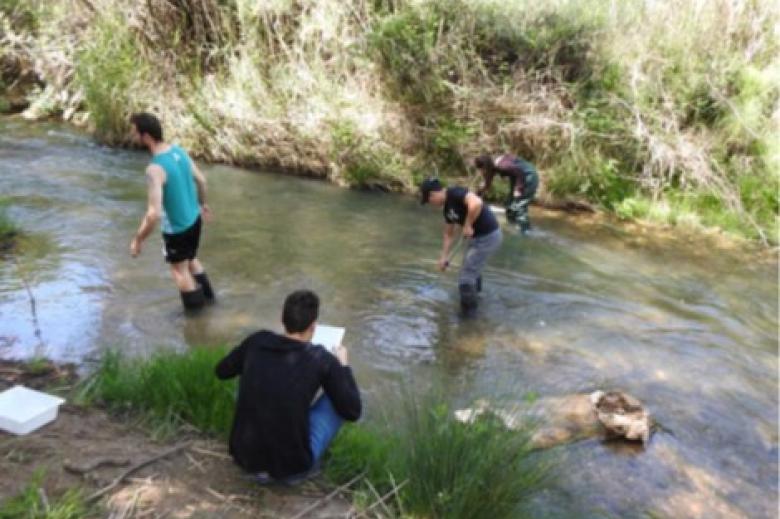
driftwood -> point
(74, 468)
(173, 450)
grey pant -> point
(478, 250)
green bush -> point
(111, 70)
(593, 177)
(448, 135)
(365, 162)
(551, 42)
(405, 45)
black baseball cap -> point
(428, 185)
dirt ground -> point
(197, 481)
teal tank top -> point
(180, 196)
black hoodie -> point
(279, 378)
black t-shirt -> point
(279, 378)
(455, 211)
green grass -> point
(111, 72)
(452, 470)
(21, 14)
(8, 229)
(29, 504)
(167, 390)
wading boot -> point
(203, 280)
(521, 214)
(468, 299)
(193, 301)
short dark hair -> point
(428, 185)
(301, 308)
(147, 123)
(484, 162)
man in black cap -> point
(479, 227)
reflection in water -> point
(570, 309)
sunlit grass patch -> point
(439, 466)
(168, 390)
(30, 504)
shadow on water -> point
(688, 328)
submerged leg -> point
(520, 213)
(468, 299)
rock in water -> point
(622, 415)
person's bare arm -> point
(449, 233)
(508, 167)
(473, 207)
(200, 183)
(155, 178)
(488, 176)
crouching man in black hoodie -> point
(279, 434)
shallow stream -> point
(687, 327)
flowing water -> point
(688, 328)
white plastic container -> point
(23, 410)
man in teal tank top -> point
(176, 199)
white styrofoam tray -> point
(22, 410)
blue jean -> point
(324, 423)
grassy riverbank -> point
(437, 466)
(665, 110)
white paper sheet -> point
(328, 336)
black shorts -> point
(182, 246)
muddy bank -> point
(87, 448)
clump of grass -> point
(8, 229)
(28, 504)
(111, 71)
(451, 469)
(21, 14)
(167, 390)
(38, 366)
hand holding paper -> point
(328, 336)
(341, 354)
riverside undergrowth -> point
(661, 110)
(433, 465)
